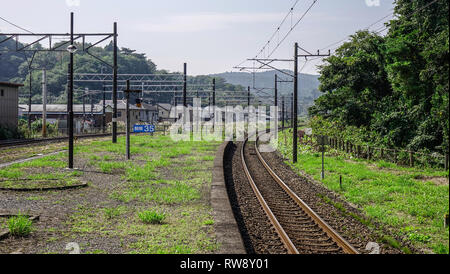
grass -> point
(390, 194)
(109, 167)
(19, 225)
(162, 176)
(113, 212)
(151, 217)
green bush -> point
(19, 225)
(151, 217)
(7, 132)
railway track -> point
(300, 229)
(56, 139)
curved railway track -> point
(300, 229)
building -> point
(145, 114)
(90, 117)
(9, 104)
(164, 112)
(84, 117)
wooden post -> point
(368, 153)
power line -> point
(17, 26)
(278, 28)
(293, 27)
(366, 28)
(277, 31)
(383, 28)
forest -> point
(14, 67)
(391, 90)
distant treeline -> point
(14, 68)
(391, 90)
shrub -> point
(151, 217)
(8, 132)
(19, 225)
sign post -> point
(143, 128)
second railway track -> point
(300, 229)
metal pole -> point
(294, 140)
(282, 113)
(128, 119)
(248, 97)
(184, 85)
(70, 97)
(276, 98)
(91, 97)
(114, 91)
(185, 111)
(29, 105)
(104, 110)
(214, 102)
(276, 90)
(44, 103)
(84, 103)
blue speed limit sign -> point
(143, 128)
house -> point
(164, 112)
(9, 104)
(86, 116)
(89, 116)
(146, 113)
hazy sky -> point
(212, 36)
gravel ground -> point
(257, 232)
(356, 233)
(51, 233)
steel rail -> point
(283, 235)
(341, 242)
(55, 139)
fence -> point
(402, 157)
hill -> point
(308, 84)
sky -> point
(212, 36)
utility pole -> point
(114, 91)
(127, 93)
(276, 91)
(184, 85)
(248, 97)
(29, 103)
(185, 109)
(276, 98)
(71, 50)
(294, 140)
(44, 103)
(214, 101)
(91, 97)
(282, 113)
(296, 55)
(104, 110)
